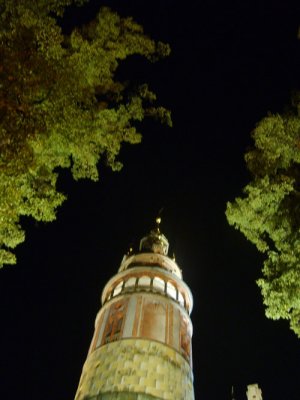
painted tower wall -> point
(144, 316)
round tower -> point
(141, 348)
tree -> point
(269, 212)
(61, 105)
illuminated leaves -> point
(61, 106)
(277, 144)
(269, 212)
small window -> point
(145, 281)
(109, 296)
(180, 299)
(171, 290)
(158, 284)
(130, 283)
(118, 288)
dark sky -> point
(231, 63)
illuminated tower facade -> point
(141, 348)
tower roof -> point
(155, 241)
(153, 251)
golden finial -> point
(158, 221)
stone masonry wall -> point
(122, 396)
(129, 369)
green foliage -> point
(61, 105)
(269, 212)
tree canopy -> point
(268, 214)
(61, 105)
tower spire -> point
(158, 221)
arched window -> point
(118, 288)
(158, 284)
(144, 281)
(109, 295)
(130, 283)
(181, 299)
(171, 290)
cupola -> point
(155, 241)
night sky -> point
(232, 62)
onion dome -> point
(153, 252)
(155, 241)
